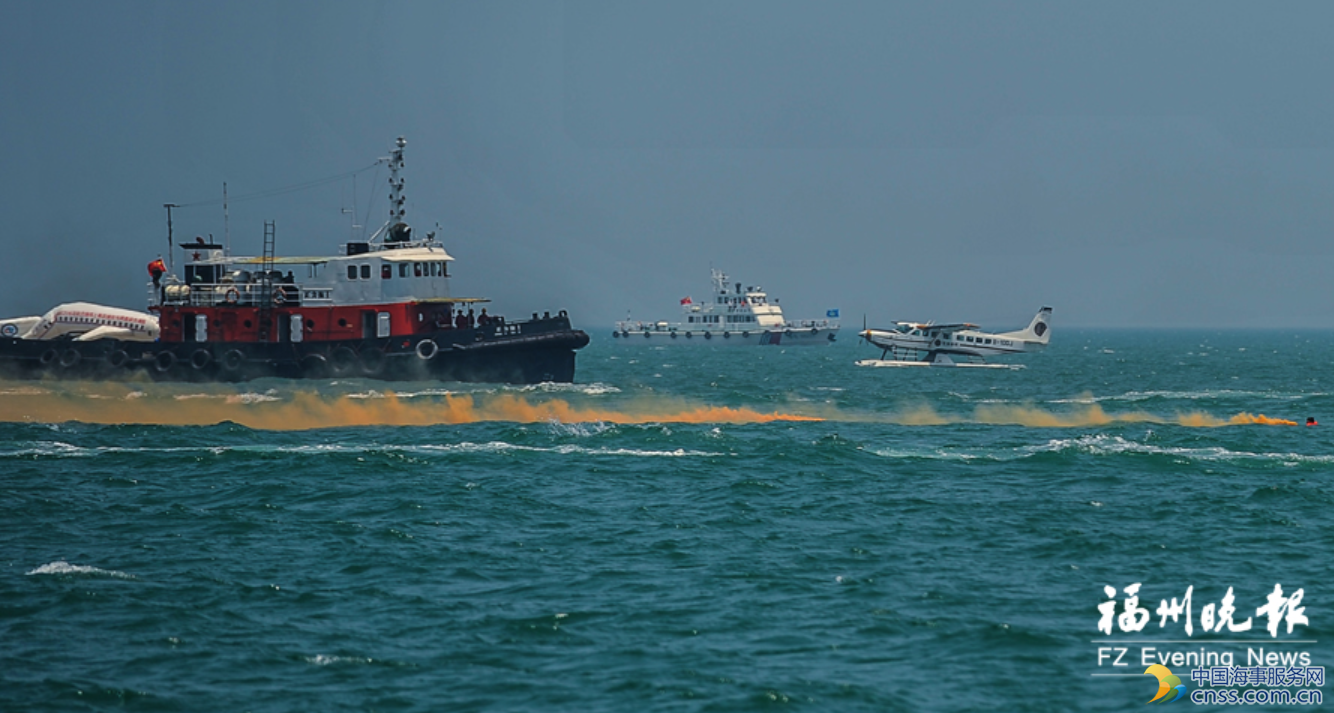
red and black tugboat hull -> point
(517, 353)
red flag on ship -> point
(686, 301)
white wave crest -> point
(578, 429)
(1100, 444)
(1104, 444)
(322, 660)
(65, 450)
(1133, 396)
(250, 397)
(63, 567)
(550, 387)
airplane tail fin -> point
(1038, 331)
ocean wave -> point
(62, 567)
(942, 454)
(550, 387)
(323, 660)
(569, 449)
(1134, 396)
(23, 391)
(65, 450)
(1097, 445)
(580, 429)
(246, 397)
(1112, 445)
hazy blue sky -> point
(1128, 163)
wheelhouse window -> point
(417, 269)
(386, 271)
(365, 272)
(402, 269)
(351, 272)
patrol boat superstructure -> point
(732, 316)
(381, 310)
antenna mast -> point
(396, 198)
(226, 226)
(171, 254)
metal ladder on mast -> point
(266, 292)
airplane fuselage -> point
(964, 343)
(939, 343)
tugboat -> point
(733, 316)
(381, 310)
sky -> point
(1131, 164)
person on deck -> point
(461, 321)
(472, 321)
(483, 320)
(157, 269)
(1310, 421)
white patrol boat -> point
(732, 316)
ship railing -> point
(813, 324)
(637, 326)
(241, 294)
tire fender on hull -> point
(232, 360)
(427, 349)
(314, 365)
(343, 360)
(372, 361)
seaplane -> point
(954, 345)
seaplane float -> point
(954, 345)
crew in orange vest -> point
(157, 269)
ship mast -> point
(396, 209)
(171, 253)
(396, 230)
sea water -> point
(696, 528)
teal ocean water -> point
(651, 538)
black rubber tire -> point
(314, 366)
(372, 362)
(343, 360)
(70, 358)
(232, 360)
(201, 359)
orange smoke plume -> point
(1246, 418)
(303, 410)
(197, 405)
